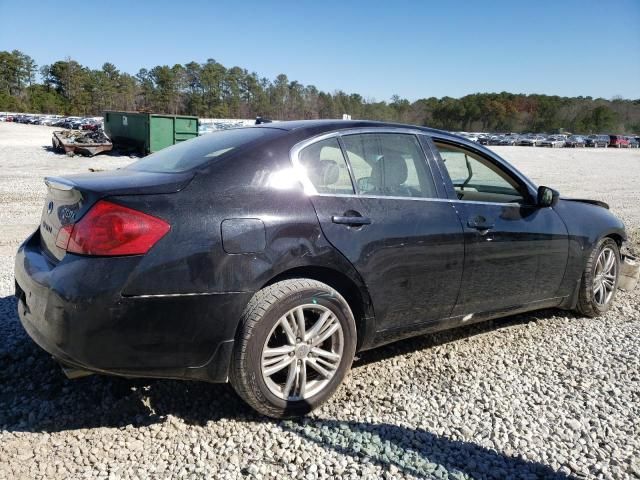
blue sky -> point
(413, 49)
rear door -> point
(378, 204)
(516, 252)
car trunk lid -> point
(69, 198)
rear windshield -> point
(194, 153)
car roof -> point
(329, 125)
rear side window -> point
(194, 153)
(326, 168)
(389, 164)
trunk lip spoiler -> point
(58, 183)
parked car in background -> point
(470, 136)
(552, 141)
(44, 120)
(508, 140)
(531, 140)
(618, 141)
(76, 124)
(352, 234)
(59, 122)
(49, 121)
(597, 141)
(90, 124)
(575, 141)
(634, 142)
(70, 122)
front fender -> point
(586, 224)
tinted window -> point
(475, 178)
(326, 168)
(389, 164)
(193, 153)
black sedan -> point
(597, 141)
(268, 256)
(575, 141)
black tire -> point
(259, 318)
(587, 304)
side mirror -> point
(547, 197)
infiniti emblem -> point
(50, 207)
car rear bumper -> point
(75, 311)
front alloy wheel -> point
(599, 279)
(606, 274)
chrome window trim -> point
(311, 190)
(421, 199)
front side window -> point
(326, 168)
(475, 178)
(388, 164)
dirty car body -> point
(428, 253)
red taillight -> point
(111, 229)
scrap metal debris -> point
(85, 142)
(83, 136)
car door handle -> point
(351, 220)
(480, 223)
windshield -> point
(194, 153)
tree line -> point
(211, 90)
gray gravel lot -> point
(541, 395)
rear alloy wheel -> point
(298, 362)
(599, 279)
(295, 345)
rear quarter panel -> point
(192, 259)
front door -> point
(377, 203)
(515, 252)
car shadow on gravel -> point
(414, 451)
(36, 396)
(431, 340)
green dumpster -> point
(148, 132)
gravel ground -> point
(541, 395)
